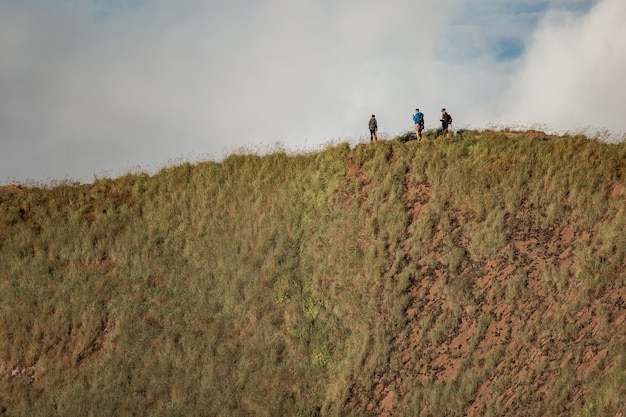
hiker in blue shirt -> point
(418, 119)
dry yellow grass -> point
(480, 275)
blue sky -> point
(101, 87)
(500, 29)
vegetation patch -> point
(480, 275)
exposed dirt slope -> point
(521, 334)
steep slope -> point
(480, 276)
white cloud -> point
(572, 77)
(101, 86)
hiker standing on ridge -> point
(446, 120)
(373, 125)
(418, 119)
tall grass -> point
(482, 273)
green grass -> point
(484, 272)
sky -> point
(100, 88)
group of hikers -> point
(418, 121)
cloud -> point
(152, 82)
(103, 86)
(86, 93)
(572, 76)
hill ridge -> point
(478, 275)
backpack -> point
(421, 121)
(448, 118)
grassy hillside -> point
(483, 275)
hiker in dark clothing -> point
(446, 121)
(373, 125)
